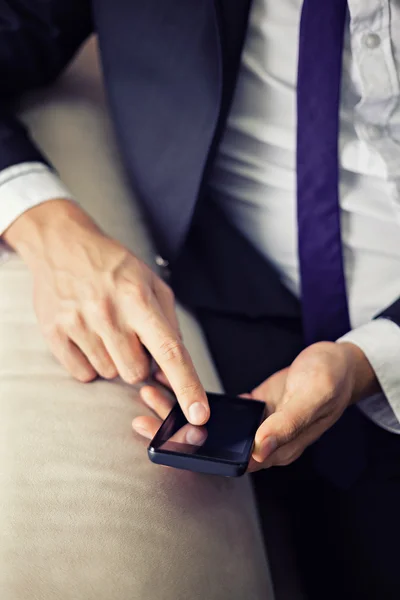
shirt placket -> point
(377, 77)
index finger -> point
(170, 353)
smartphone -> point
(221, 447)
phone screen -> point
(228, 435)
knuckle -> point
(326, 383)
(135, 373)
(74, 322)
(102, 312)
(192, 389)
(172, 350)
(139, 293)
(291, 428)
(131, 378)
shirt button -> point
(372, 41)
(161, 262)
(164, 266)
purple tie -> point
(323, 287)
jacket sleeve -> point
(37, 40)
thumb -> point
(279, 429)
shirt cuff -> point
(380, 342)
(22, 187)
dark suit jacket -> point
(170, 70)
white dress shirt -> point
(256, 179)
(255, 170)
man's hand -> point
(303, 401)
(306, 399)
(99, 306)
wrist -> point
(42, 227)
(365, 381)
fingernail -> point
(267, 447)
(197, 413)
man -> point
(203, 96)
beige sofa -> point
(83, 514)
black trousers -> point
(346, 541)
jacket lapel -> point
(162, 63)
(168, 67)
